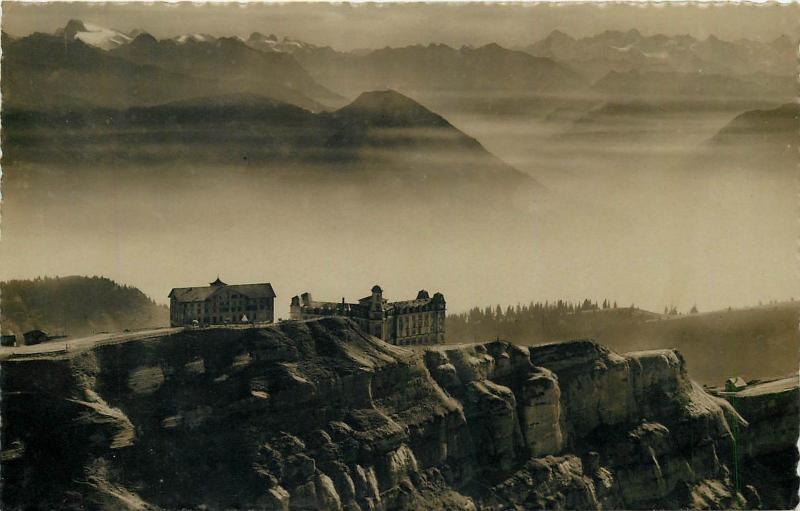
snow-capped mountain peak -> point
(94, 35)
(196, 38)
(271, 43)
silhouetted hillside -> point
(777, 128)
(76, 306)
(381, 133)
(765, 140)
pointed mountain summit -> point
(73, 28)
(389, 109)
(556, 45)
(136, 32)
(267, 43)
(391, 134)
(271, 43)
(93, 35)
(144, 40)
(559, 36)
(194, 38)
(258, 36)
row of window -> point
(217, 320)
(415, 325)
(223, 308)
(420, 341)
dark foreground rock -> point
(768, 448)
(316, 415)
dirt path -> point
(65, 346)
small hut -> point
(735, 384)
(8, 339)
(35, 337)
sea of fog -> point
(640, 210)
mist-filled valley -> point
(667, 219)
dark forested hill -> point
(775, 128)
(76, 306)
(757, 342)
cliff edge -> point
(318, 415)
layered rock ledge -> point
(318, 415)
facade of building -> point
(411, 322)
(220, 303)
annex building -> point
(219, 303)
(410, 322)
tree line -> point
(535, 321)
(76, 305)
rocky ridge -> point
(317, 415)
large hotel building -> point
(409, 322)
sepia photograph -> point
(399, 256)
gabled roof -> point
(199, 294)
(254, 290)
(192, 294)
(737, 381)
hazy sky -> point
(346, 26)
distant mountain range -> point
(613, 63)
(90, 94)
(271, 43)
(232, 65)
(111, 69)
(84, 65)
(622, 52)
(440, 68)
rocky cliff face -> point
(317, 415)
(766, 451)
